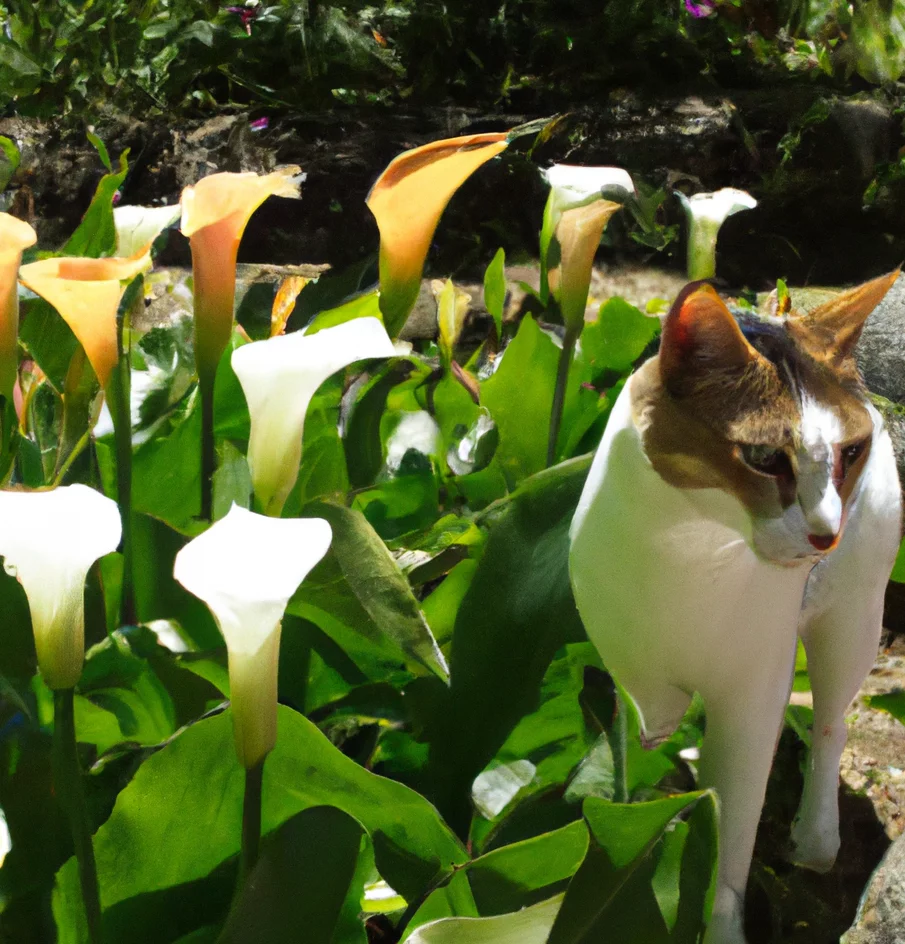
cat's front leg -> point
(840, 626)
(743, 721)
(841, 645)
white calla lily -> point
(706, 213)
(245, 567)
(49, 540)
(573, 186)
(279, 377)
(580, 204)
(138, 226)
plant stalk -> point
(118, 397)
(208, 457)
(559, 392)
(618, 738)
(251, 821)
(67, 781)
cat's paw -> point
(814, 849)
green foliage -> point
(161, 56)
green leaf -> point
(442, 605)
(898, 570)
(232, 480)
(300, 883)
(362, 441)
(617, 337)
(380, 586)
(555, 736)
(891, 702)
(9, 161)
(364, 306)
(157, 594)
(96, 234)
(162, 808)
(48, 340)
(452, 310)
(166, 472)
(120, 681)
(519, 396)
(520, 874)
(697, 879)
(613, 894)
(520, 592)
(495, 289)
(101, 149)
(528, 926)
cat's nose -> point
(823, 542)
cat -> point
(745, 493)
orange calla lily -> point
(87, 293)
(15, 236)
(407, 201)
(215, 212)
(579, 231)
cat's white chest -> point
(665, 580)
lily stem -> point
(251, 821)
(77, 450)
(559, 392)
(618, 738)
(208, 458)
(118, 401)
(68, 786)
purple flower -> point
(260, 124)
(700, 8)
(248, 14)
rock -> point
(881, 350)
(881, 914)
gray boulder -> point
(881, 914)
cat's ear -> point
(831, 331)
(700, 336)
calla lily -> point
(245, 567)
(580, 204)
(407, 201)
(138, 226)
(49, 540)
(15, 236)
(87, 293)
(706, 213)
(279, 377)
(215, 212)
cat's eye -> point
(851, 454)
(766, 460)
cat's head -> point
(771, 409)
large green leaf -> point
(519, 396)
(518, 611)
(615, 892)
(377, 582)
(617, 337)
(528, 926)
(300, 884)
(164, 831)
(520, 874)
(157, 593)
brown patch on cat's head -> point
(707, 365)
